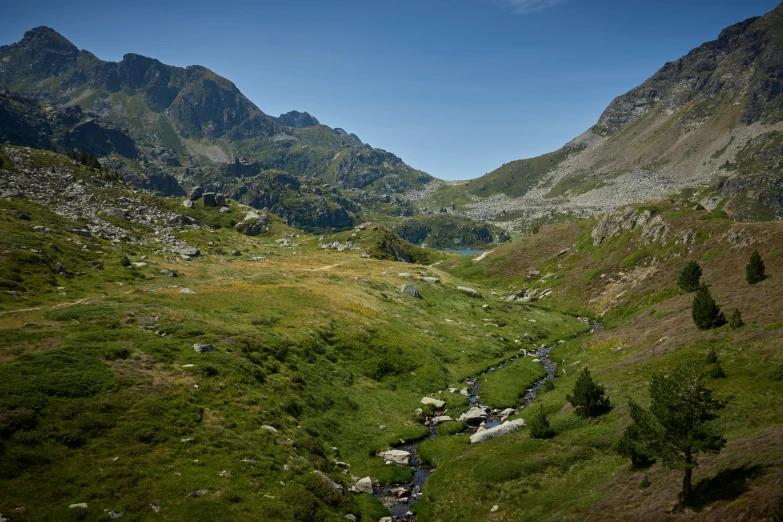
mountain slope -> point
(708, 124)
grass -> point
(503, 388)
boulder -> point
(399, 457)
(186, 251)
(209, 199)
(363, 486)
(187, 291)
(435, 402)
(470, 291)
(497, 431)
(508, 412)
(188, 203)
(253, 224)
(269, 428)
(168, 273)
(195, 193)
(441, 418)
(220, 200)
(182, 220)
(334, 486)
(474, 415)
(60, 268)
(410, 290)
(225, 210)
(203, 348)
(433, 280)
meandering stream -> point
(400, 497)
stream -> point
(400, 497)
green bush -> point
(716, 371)
(689, 277)
(539, 425)
(735, 319)
(589, 398)
(705, 311)
(712, 356)
(754, 270)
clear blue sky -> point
(453, 87)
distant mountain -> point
(708, 127)
(191, 117)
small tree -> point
(124, 261)
(754, 270)
(631, 446)
(689, 277)
(706, 313)
(712, 356)
(735, 319)
(677, 426)
(539, 425)
(589, 398)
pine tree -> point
(754, 270)
(735, 319)
(539, 425)
(125, 261)
(631, 446)
(689, 277)
(706, 313)
(589, 398)
(677, 426)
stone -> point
(494, 508)
(189, 203)
(168, 273)
(155, 508)
(410, 290)
(82, 232)
(364, 485)
(435, 402)
(80, 505)
(116, 514)
(236, 253)
(99, 266)
(198, 493)
(399, 457)
(225, 473)
(269, 428)
(506, 413)
(60, 268)
(433, 280)
(337, 488)
(465, 392)
(497, 431)
(187, 291)
(186, 251)
(204, 348)
(209, 199)
(253, 224)
(350, 517)
(195, 193)
(225, 210)
(473, 416)
(385, 519)
(220, 200)
(485, 307)
(441, 418)
(182, 220)
(404, 274)
(470, 291)
(117, 213)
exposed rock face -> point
(297, 120)
(474, 415)
(628, 219)
(398, 457)
(253, 224)
(410, 290)
(435, 402)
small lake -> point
(463, 252)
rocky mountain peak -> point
(297, 120)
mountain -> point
(707, 126)
(166, 128)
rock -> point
(139, 264)
(225, 473)
(195, 193)
(506, 413)
(60, 268)
(485, 307)
(187, 291)
(220, 200)
(404, 274)
(116, 514)
(198, 493)
(350, 517)
(435, 402)
(155, 508)
(183, 220)
(225, 210)
(497, 431)
(494, 508)
(331, 483)
(269, 428)
(117, 213)
(82, 232)
(80, 505)
(209, 199)
(470, 291)
(99, 266)
(410, 290)
(189, 204)
(399, 457)
(364, 486)
(474, 415)
(186, 251)
(253, 224)
(465, 392)
(441, 418)
(204, 348)
(236, 253)
(168, 273)
(433, 280)
(385, 519)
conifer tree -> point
(589, 398)
(754, 270)
(706, 313)
(689, 277)
(677, 426)
(539, 425)
(735, 319)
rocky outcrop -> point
(297, 120)
(628, 219)
(491, 433)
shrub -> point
(539, 425)
(125, 261)
(754, 270)
(630, 446)
(712, 356)
(716, 372)
(589, 398)
(705, 312)
(689, 277)
(735, 319)
(548, 386)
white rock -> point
(399, 457)
(494, 508)
(435, 402)
(441, 418)
(80, 505)
(364, 485)
(269, 428)
(497, 431)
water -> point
(463, 252)
(400, 506)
